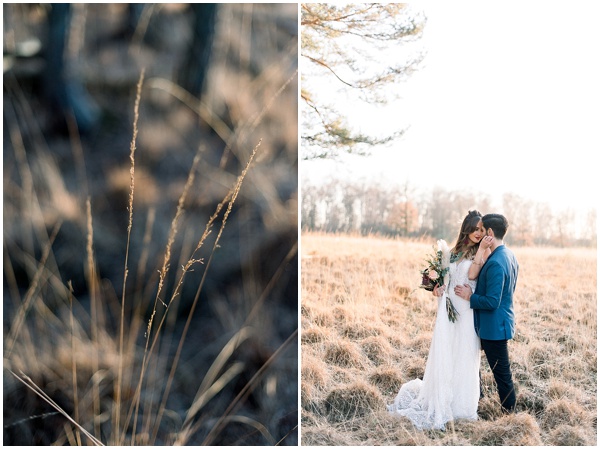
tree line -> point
(405, 211)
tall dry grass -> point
(150, 355)
(366, 330)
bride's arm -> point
(475, 267)
(480, 257)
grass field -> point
(366, 330)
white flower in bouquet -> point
(445, 250)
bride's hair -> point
(468, 226)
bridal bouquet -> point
(436, 274)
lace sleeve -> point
(471, 283)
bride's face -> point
(476, 236)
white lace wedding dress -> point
(450, 387)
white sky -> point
(508, 100)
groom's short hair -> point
(498, 223)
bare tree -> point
(339, 43)
(519, 212)
(404, 214)
(439, 213)
(308, 207)
(403, 218)
(564, 221)
(376, 204)
(352, 202)
(591, 225)
(543, 224)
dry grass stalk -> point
(95, 322)
(244, 392)
(132, 148)
(235, 191)
(37, 390)
(162, 274)
(31, 294)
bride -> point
(450, 387)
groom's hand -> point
(463, 291)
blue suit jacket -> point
(492, 301)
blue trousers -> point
(496, 352)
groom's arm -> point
(494, 278)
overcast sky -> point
(508, 100)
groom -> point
(492, 304)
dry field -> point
(366, 330)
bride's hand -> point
(439, 290)
(486, 242)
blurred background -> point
(217, 80)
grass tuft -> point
(314, 335)
(519, 429)
(344, 354)
(562, 411)
(566, 435)
(387, 379)
(377, 349)
(353, 401)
